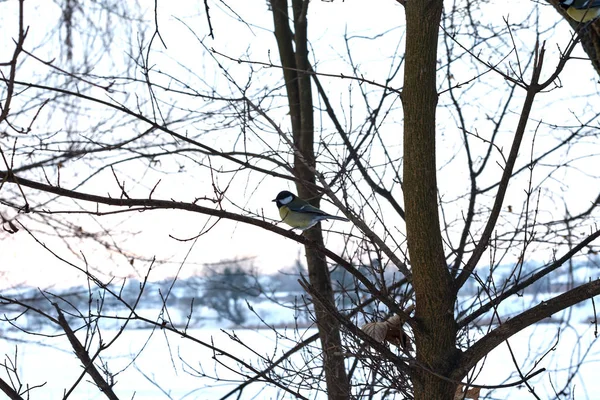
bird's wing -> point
(307, 208)
(585, 4)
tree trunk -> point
(435, 336)
(298, 87)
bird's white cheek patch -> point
(286, 200)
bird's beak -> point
(274, 200)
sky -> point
(184, 31)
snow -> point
(165, 365)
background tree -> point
(226, 288)
(465, 187)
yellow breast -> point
(297, 220)
(583, 15)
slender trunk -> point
(299, 91)
(435, 336)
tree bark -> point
(435, 336)
(298, 86)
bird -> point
(298, 213)
(582, 10)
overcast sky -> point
(24, 260)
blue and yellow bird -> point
(582, 10)
(298, 213)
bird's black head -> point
(284, 198)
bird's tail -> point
(338, 218)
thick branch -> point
(84, 357)
(151, 204)
(545, 309)
(9, 391)
(527, 282)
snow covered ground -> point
(158, 364)
(168, 367)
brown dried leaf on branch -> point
(461, 394)
(390, 331)
(377, 330)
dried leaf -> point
(377, 330)
(395, 320)
(398, 337)
(472, 393)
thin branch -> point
(532, 90)
(163, 128)
(310, 72)
(383, 192)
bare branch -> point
(516, 324)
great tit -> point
(299, 214)
(582, 10)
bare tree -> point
(226, 289)
(454, 170)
